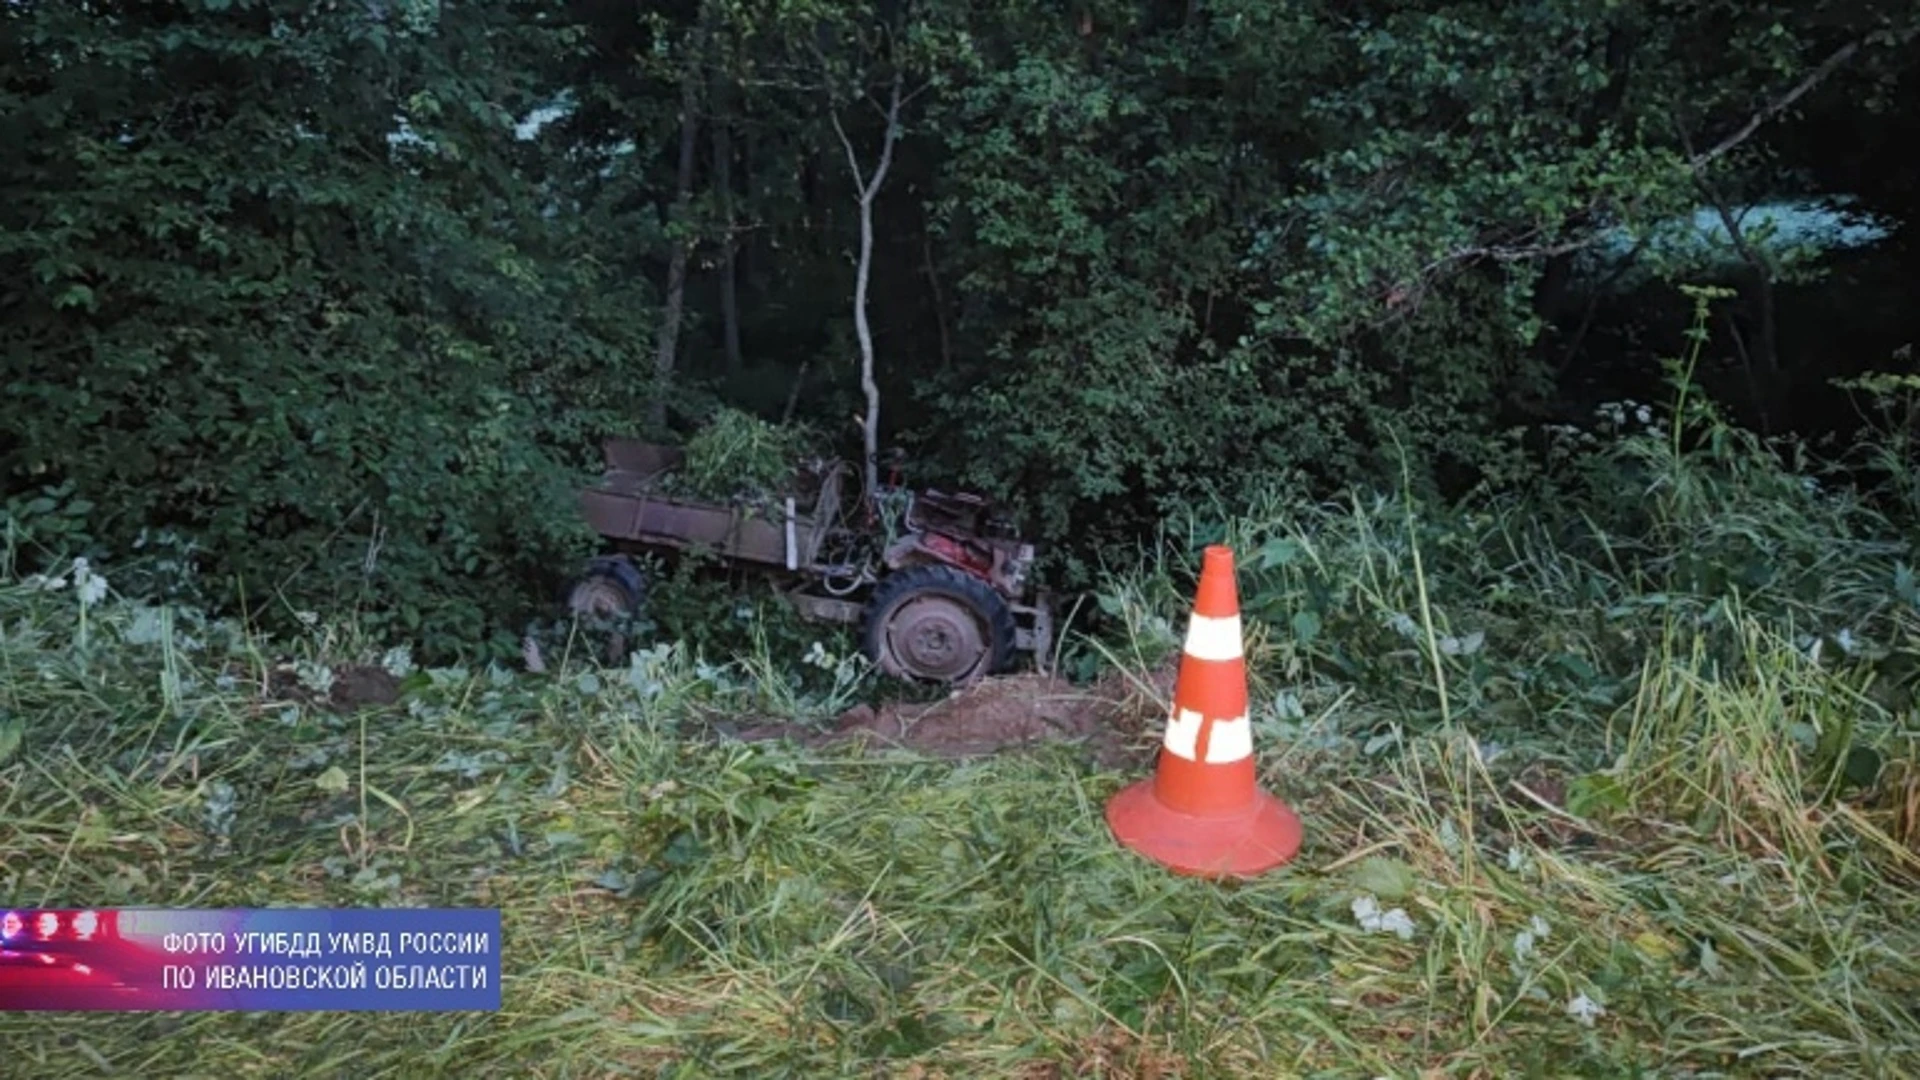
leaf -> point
(1861, 770)
(683, 850)
(1595, 793)
(1709, 958)
(1655, 945)
(1274, 553)
(1388, 879)
(333, 781)
(75, 296)
(1904, 586)
(1576, 665)
(1306, 626)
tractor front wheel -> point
(605, 602)
(936, 624)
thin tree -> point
(681, 227)
(722, 134)
(867, 187)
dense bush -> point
(353, 371)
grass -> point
(1665, 824)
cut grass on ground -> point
(681, 908)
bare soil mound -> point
(1114, 720)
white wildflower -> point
(89, 586)
(43, 583)
(307, 618)
(1366, 912)
(398, 661)
(1516, 860)
(1524, 942)
(1584, 1009)
(315, 676)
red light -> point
(48, 925)
(10, 925)
(84, 924)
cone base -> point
(1263, 837)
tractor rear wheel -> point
(935, 624)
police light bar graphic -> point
(265, 959)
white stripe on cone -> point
(1213, 638)
(1230, 741)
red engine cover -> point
(959, 554)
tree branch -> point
(892, 136)
(853, 159)
(868, 188)
(1517, 252)
(1778, 105)
(1695, 162)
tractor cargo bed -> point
(627, 505)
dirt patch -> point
(354, 687)
(992, 715)
(1114, 720)
(360, 686)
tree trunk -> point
(669, 340)
(723, 185)
(746, 258)
(1763, 352)
(870, 424)
(868, 189)
(939, 300)
(793, 392)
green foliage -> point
(354, 364)
(736, 455)
(1220, 269)
(694, 603)
(1535, 609)
(349, 301)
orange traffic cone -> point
(1203, 812)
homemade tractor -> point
(937, 582)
